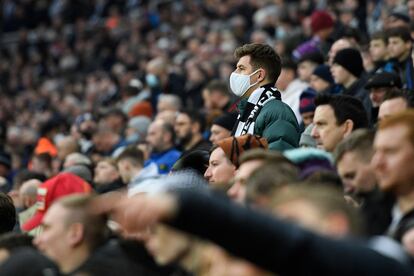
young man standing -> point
(261, 111)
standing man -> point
(261, 111)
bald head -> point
(66, 146)
(28, 192)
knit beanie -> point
(233, 147)
(307, 101)
(351, 60)
(323, 71)
(226, 120)
(321, 20)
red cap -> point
(49, 191)
(321, 20)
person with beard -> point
(160, 138)
(393, 163)
(189, 127)
(353, 161)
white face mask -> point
(239, 83)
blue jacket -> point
(164, 160)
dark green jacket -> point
(277, 123)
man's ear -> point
(76, 233)
(262, 75)
(348, 127)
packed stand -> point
(206, 137)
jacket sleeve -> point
(277, 123)
(275, 245)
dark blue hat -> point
(323, 71)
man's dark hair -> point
(132, 154)
(395, 93)
(345, 107)
(359, 142)
(218, 86)
(401, 32)
(11, 241)
(379, 35)
(7, 214)
(261, 55)
(288, 63)
(195, 117)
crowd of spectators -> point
(141, 97)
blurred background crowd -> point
(120, 93)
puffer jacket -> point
(277, 123)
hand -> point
(136, 213)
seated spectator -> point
(222, 127)
(335, 118)
(321, 80)
(189, 127)
(51, 190)
(130, 164)
(106, 176)
(161, 140)
(394, 102)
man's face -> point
(124, 170)
(220, 170)
(326, 131)
(390, 107)
(378, 50)
(237, 192)
(183, 128)
(155, 137)
(167, 245)
(356, 174)
(105, 173)
(307, 118)
(218, 133)
(245, 68)
(53, 241)
(305, 70)
(318, 83)
(393, 159)
(376, 94)
(340, 74)
(398, 48)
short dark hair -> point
(7, 214)
(360, 142)
(380, 35)
(195, 117)
(401, 32)
(132, 154)
(261, 55)
(218, 86)
(11, 241)
(345, 107)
